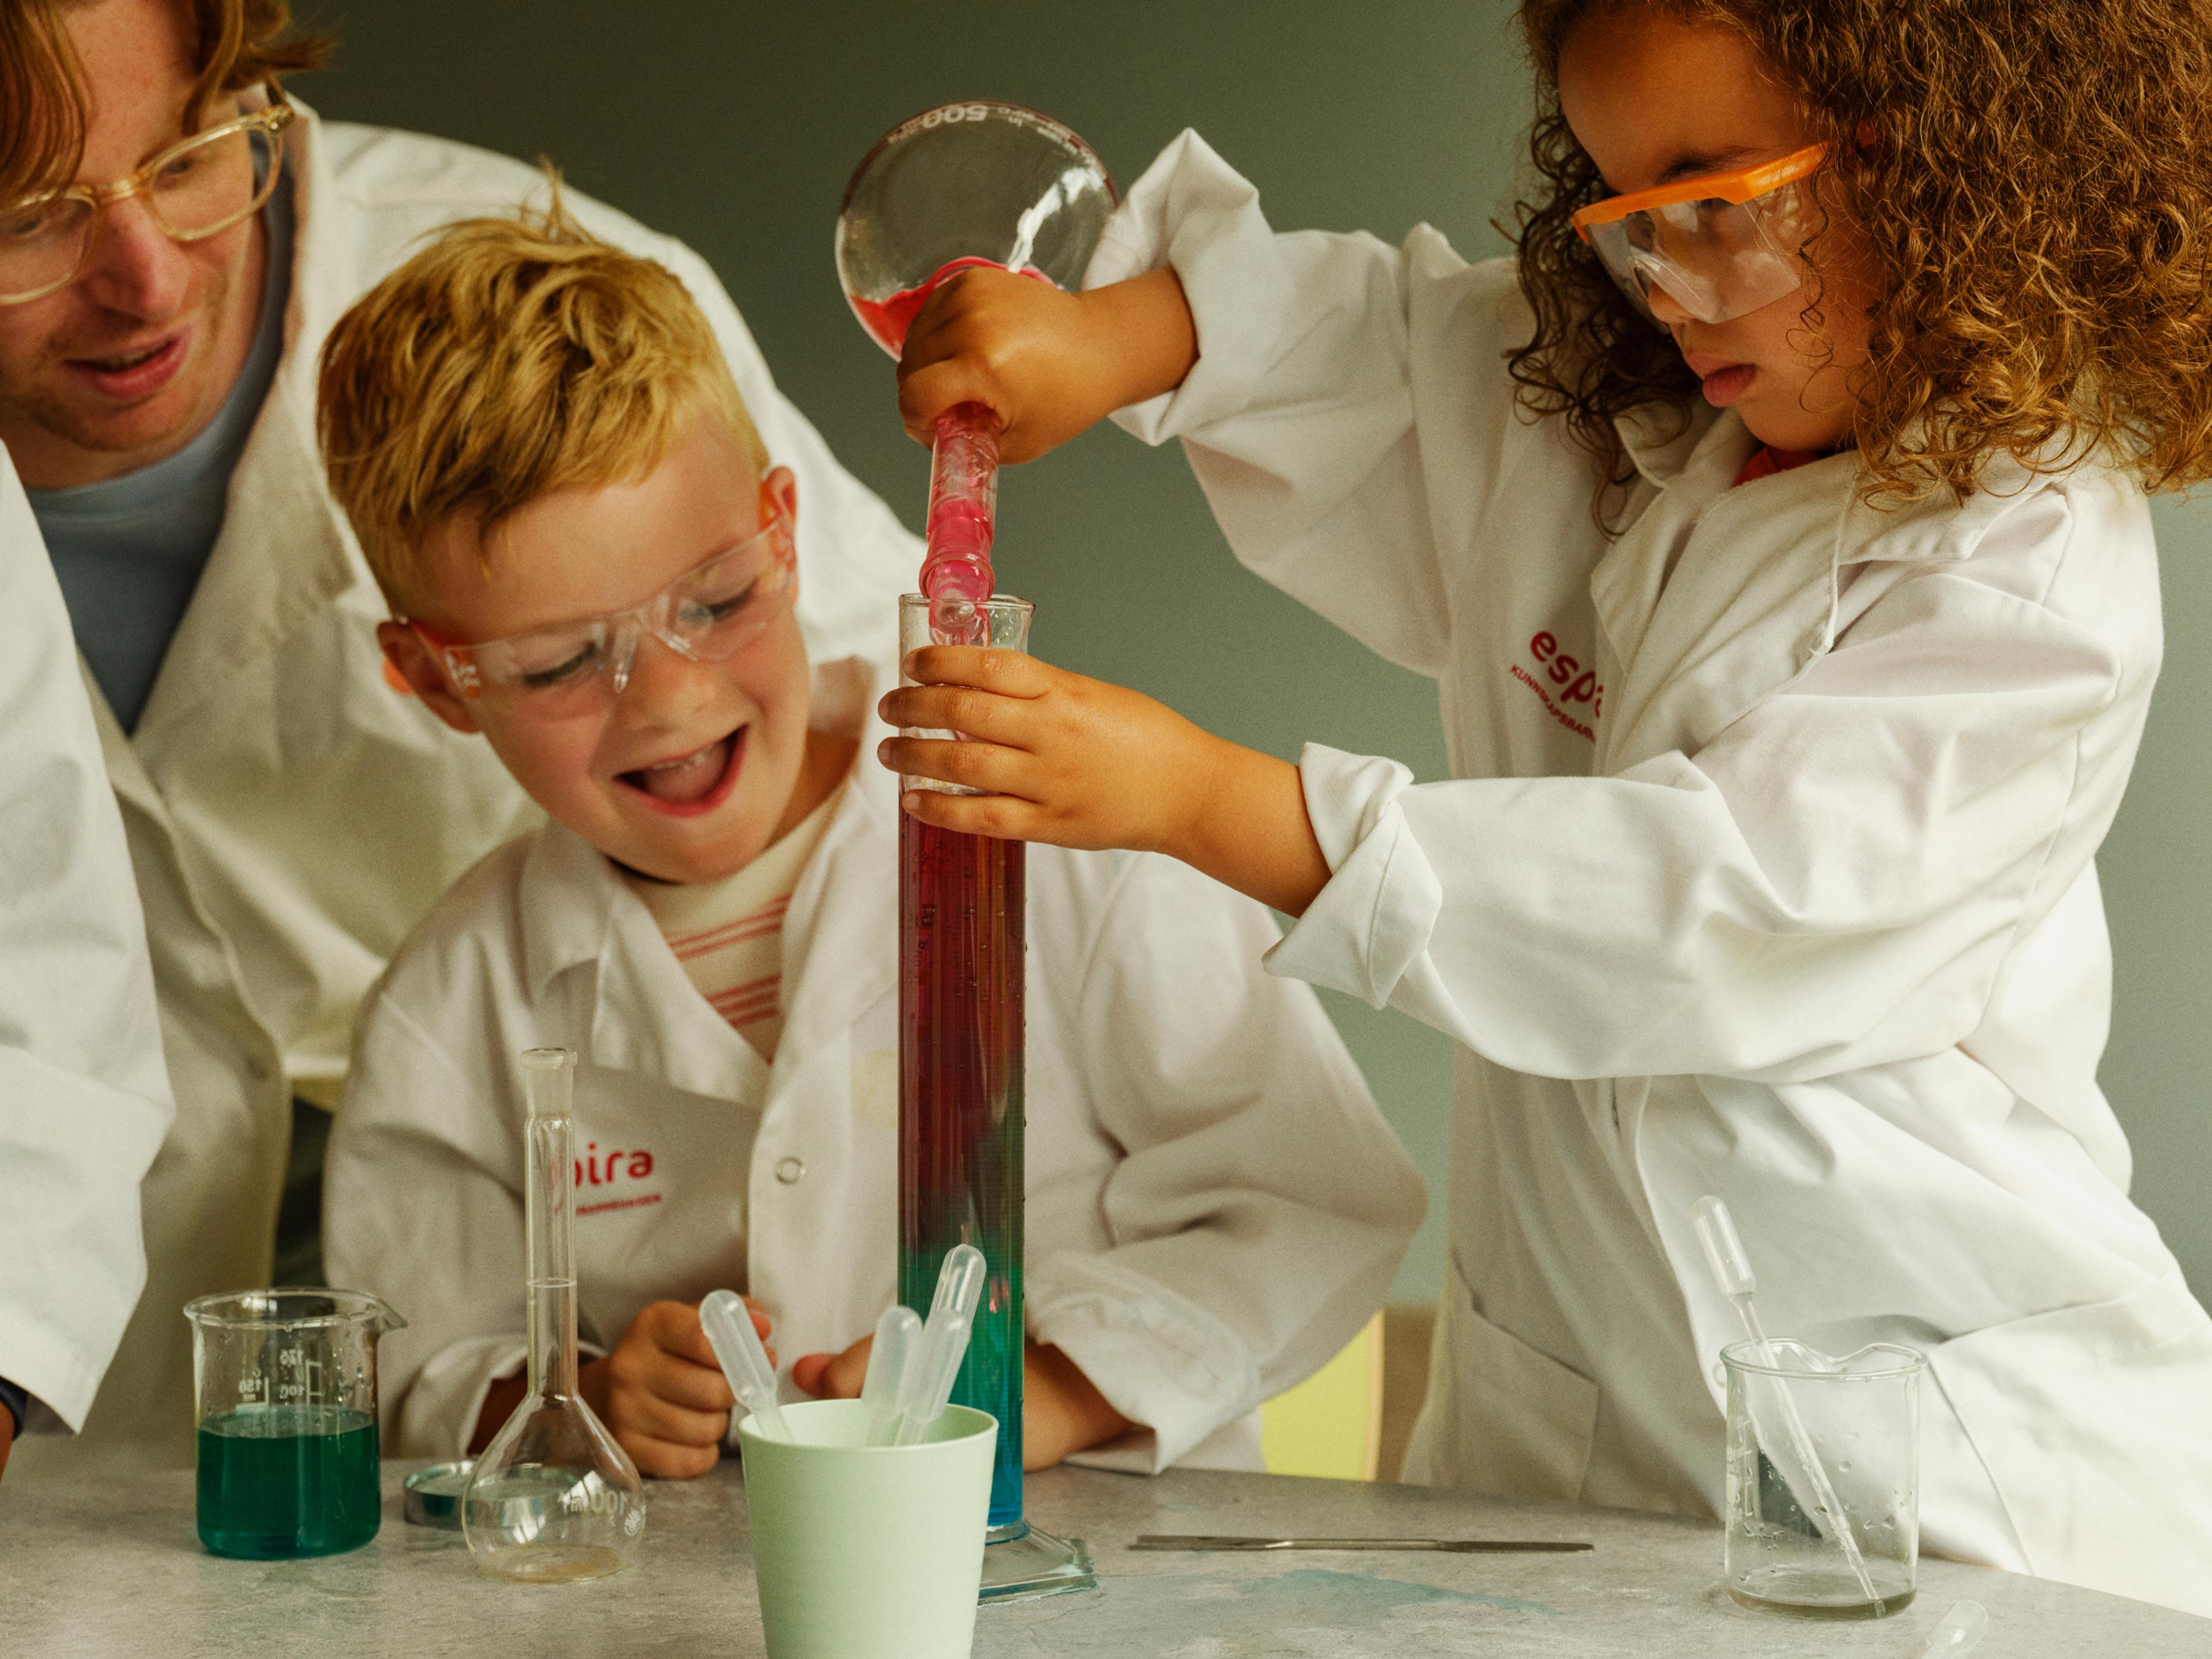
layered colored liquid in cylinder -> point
(961, 939)
(276, 1482)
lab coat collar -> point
(284, 552)
(1938, 529)
(1664, 446)
(641, 1013)
(1660, 438)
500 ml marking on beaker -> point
(284, 1481)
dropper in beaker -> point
(1731, 1266)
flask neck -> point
(549, 1204)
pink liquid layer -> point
(887, 320)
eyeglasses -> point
(194, 189)
(1718, 246)
(708, 614)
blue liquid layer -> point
(276, 1482)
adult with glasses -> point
(177, 236)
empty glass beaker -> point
(284, 1386)
(1860, 1416)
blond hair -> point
(43, 109)
(508, 359)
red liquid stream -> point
(956, 572)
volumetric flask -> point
(284, 1389)
(554, 1499)
(1862, 1420)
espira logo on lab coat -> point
(622, 1166)
(1577, 684)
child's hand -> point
(1078, 762)
(662, 1392)
(1071, 761)
(1050, 364)
(1062, 1412)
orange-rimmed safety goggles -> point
(1718, 245)
(708, 614)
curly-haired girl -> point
(1777, 532)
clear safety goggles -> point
(1718, 246)
(708, 614)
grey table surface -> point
(101, 1567)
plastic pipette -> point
(1731, 1266)
(1960, 1632)
(927, 1386)
(729, 1326)
(887, 1359)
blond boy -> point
(587, 555)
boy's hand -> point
(1078, 762)
(661, 1392)
(666, 1399)
(1050, 364)
(1062, 1412)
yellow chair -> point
(1330, 1424)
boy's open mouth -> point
(685, 786)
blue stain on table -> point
(1230, 1617)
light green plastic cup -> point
(866, 1551)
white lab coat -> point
(83, 1099)
(290, 816)
(1767, 871)
(1214, 1204)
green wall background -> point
(734, 125)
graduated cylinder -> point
(960, 1078)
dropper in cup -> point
(896, 1334)
(927, 1388)
(729, 1327)
(1731, 1265)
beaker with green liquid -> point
(284, 1386)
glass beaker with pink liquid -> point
(976, 183)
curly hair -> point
(2033, 183)
(43, 106)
